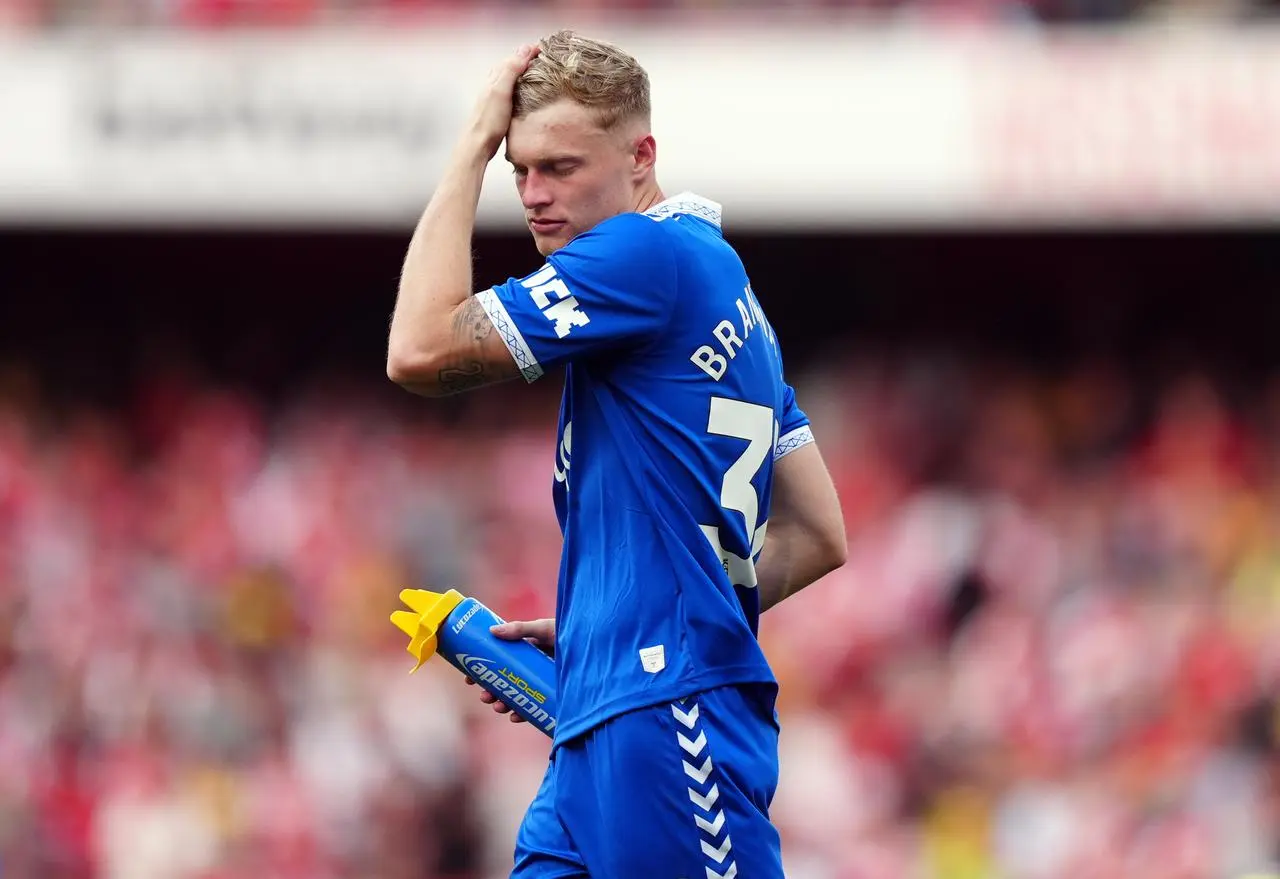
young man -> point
(678, 440)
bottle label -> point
(466, 618)
(510, 687)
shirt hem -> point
(566, 732)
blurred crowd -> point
(1054, 653)
(219, 14)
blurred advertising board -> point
(788, 127)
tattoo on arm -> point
(455, 379)
(471, 323)
(471, 330)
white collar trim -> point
(687, 203)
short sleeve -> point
(612, 287)
(793, 426)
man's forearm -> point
(436, 276)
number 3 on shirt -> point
(756, 425)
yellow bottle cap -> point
(423, 623)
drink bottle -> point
(457, 628)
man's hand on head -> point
(492, 115)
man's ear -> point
(645, 155)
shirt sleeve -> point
(793, 427)
(609, 288)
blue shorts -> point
(673, 791)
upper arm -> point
(609, 288)
(804, 499)
(475, 355)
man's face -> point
(571, 174)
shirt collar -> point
(687, 203)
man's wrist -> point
(474, 152)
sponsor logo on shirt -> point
(563, 310)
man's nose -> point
(535, 193)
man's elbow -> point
(836, 555)
(839, 552)
(833, 548)
(416, 372)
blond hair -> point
(594, 74)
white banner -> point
(811, 128)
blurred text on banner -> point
(841, 128)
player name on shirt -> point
(730, 335)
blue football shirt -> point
(674, 412)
